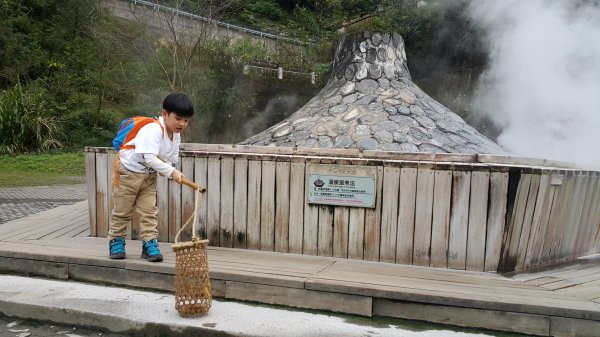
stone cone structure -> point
(370, 103)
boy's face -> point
(174, 122)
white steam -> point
(277, 109)
(542, 85)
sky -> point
(542, 83)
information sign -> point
(325, 187)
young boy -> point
(154, 149)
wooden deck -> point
(561, 302)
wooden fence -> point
(471, 212)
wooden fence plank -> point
(311, 228)
(423, 216)
(513, 233)
(227, 233)
(558, 220)
(567, 247)
(188, 196)
(569, 223)
(406, 215)
(496, 219)
(267, 211)
(534, 259)
(373, 222)
(325, 240)
(90, 179)
(110, 162)
(296, 222)
(356, 233)
(440, 226)
(213, 190)
(340, 231)
(585, 232)
(162, 193)
(389, 214)
(594, 243)
(311, 219)
(201, 178)
(534, 188)
(552, 231)
(459, 219)
(174, 208)
(534, 232)
(590, 241)
(282, 204)
(254, 185)
(102, 194)
(240, 202)
(480, 183)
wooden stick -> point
(187, 182)
(193, 185)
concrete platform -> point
(144, 313)
(560, 302)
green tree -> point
(65, 50)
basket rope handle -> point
(194, 216)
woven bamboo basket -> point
(192, 282)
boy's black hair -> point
(180, 104)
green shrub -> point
(27, 122)
(246, 50)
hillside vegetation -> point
(70, 71)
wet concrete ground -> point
(14, 327)
(152, 314)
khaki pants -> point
(134, 190)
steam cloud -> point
(542, 85)
(276, 109)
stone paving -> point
(17, 202)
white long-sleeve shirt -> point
(150, 143)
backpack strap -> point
(136, 128)
(116, 170)
(130, 136)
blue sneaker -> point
(116, 248)
(150, 251)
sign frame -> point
(344, 185)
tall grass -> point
(27, 122)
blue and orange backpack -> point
(129, 128)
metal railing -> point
(225, 25)
(280, 71)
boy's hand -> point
(177, 176)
